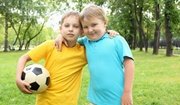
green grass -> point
(157, 79)
(156, 82)
(10, 95)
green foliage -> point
(176, 19)
(22, 13)
(46, 34)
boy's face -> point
(93, 28)
(70, 28)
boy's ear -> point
(82, 32)
(105, 23)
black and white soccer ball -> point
(37, 76)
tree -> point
(4, 10)
(157, 27)
(18, 15)
(27, 44)
(168, 26)
(143, 41)
(133, 25)
(122, 19)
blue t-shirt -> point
(105, 61)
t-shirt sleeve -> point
(81, 40)
(123, 48)
(40, 51)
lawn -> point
(156, 82)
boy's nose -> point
(70, 28)
(90, 29)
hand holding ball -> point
(37, 76)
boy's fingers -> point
(65, 42)
(58, 45)
(27, 88)
(27, 91)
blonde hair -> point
(68, 14)
(92, 11)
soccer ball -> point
(37, 76)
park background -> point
(151, 28)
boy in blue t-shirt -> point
(110, 61)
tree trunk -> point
(30, 39)
(132, 26)
(157, 29)
(142, 35)
(139, 18)
(168, 33)
(17, 32)
(24, 36)
(140, 43)
(6, 33)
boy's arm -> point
(80, 40)
(58, 42)
(128, 84)
(20, 66)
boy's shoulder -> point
(118, 37)
(49, 42)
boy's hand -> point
(23, 86)
(112, 33)
(127, 99)
(58, 42)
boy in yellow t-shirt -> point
(65, 67)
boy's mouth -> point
(70, 34)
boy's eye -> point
(93, 25)
(85, 27)
(66, 25)
(76, 26)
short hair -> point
(70, 13)
(93, 11)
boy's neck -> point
(71, 44)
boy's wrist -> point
(18, 78)
(127, 90)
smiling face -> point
(94, 22)
(94, 28)
(70, 28)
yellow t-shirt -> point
(65, 70)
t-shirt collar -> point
(104, 36)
